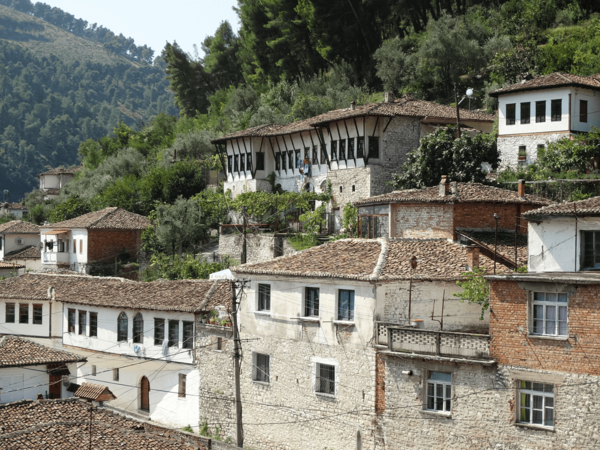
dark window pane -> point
(540, 111)
(525, 113)
(173, 333)
(346, 305)
(277, 161)
(323, 156)
(556, 110)
(264, 297)
(249, 162)
(10, 313)
(236, 159)
(23, 313)
(242, 162)
(159, 331)
(283, 160)
(360, 147)
(229, 164)
(138, 328)
(261, 369)
(82, 325)
(311, 302)
(260, 161)
(188, 334)
(588, 249)
(37, 314)
(314, 155)
(351, 148)
(510, 114)
(343, 149)
(71, 320)
(94, 324)
(334, 150)
(122, 324)
(291, 159)
(374, 147)
(583, 111)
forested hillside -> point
(58, 89)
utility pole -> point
(497, 217)
(457, 111)
(236, 363)
(244, 247)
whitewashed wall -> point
(9, 242)
(552, 243)
(74, 237)
(51, 319)
(107, 333)
(25, 383)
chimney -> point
(389, 97)
(51, 293)
(352, 106)
(473, 257)
(444, 186)
(521, 188)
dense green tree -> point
(179, 225)
(74, 207)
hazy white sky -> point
(154, 22)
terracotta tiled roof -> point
(178, 295)
(590, 206)
(553, 80)
(403, 107)
(10, 265)
(459, 193)
(108, 219)
(14, 206)
(372, 259)
(506, 244)
(16, 351)
(29, 252)
(19, 227)
(61, 171)
(64, 425)
(91, 391)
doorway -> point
(145, 393)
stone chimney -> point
(352, 106)
(389, 97)
(473, 257)
(521, 188)
(51, 293)
(444, 186)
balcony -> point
(437, 344)
(56, 258)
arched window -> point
(138, 329)
(122, 328)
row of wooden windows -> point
(77, 322)
(23, 313)
(540, 112)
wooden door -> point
(145, 403)
(55, 387)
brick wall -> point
(422, 221)
(481, 215)
(104, 245)
(512, 345)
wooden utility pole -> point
(457, 112)
(236, 364)
(244, 247)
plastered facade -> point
(25, 383)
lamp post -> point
(497, 217)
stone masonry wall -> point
(484, 409)
(260, 247)
(508, 147)
(422, 221)
(512, 344)
(104, 245)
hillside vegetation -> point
(58, 89)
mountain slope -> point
(57, 90)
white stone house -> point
(308, 323)
(16, 209)
(356, 149)
(52, 181)
(29, 369)
(562, 237)
(98, 237)
(19, 244)
(535, 112)
(138, 338)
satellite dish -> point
(470, 92)
(40, 246)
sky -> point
(154, 22)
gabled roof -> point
(29, 252)
(13, 206)
(459, 193)
(61, 171)
(177, 295)
(373, 260)
(16, 351)
(106, 219)
(551, 81)
(590, 207)
(10, 265)
(19, 227)
(403, 107)
(95, 392)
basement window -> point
(325, 379)
(536, 404)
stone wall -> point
(508, 147)
(239, 186)
(484, 409)
(259, 247)
(422, 221)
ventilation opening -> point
(341, 189)
(353, 188)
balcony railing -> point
(439, 343)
